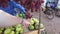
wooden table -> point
(32, 32)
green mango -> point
(21, 31)
(12, 28)
(36, 21)
(41, 26)
(20, 15)
(17, 15)
(17, 33)
(18, 29)
(0, 31)
(31, 27)
(31, 21)
(7, 31)
(1, 28)
(18, 26)
(12, 32)
(23, 17)
(36, 27)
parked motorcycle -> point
(50, 10)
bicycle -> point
(50, 10)
(49, 13)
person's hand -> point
(25, 23)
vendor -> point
(9, 5)
(7, 14)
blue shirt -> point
(10, 8)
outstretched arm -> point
(7, 20)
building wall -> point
(58, 5)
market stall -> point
(15, 22)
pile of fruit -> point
(34, 24)
(17, 29)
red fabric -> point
(4, 5)
(5, 1)
(22, 3)
(26, 7)
(32, 5)
(42, 1)
(38, 3)
(27, 1)
(16, 0)
(0, 2)
(28, 15)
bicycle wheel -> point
(57, 13)
(50, 14)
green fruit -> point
(31, 22)
(7, 31)
(41, 26)
(17, 15)
(18, 29)
(12, 28)
(36, 21)
(20, 15)
(0, 31)
(21, 31)
(7, 28)
(31, 27)
(1, 28)
(23, 15)
(36, 27)
(18, 26)
(12, 32)
(17, 33)
(33, 19)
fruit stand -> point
(18, 28)
(33, 32)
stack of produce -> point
(17, 29)
(34, 24)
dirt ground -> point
(51, 26)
